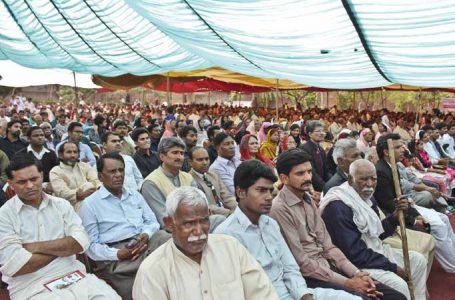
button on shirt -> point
(265, 242)
(225, 169)
(109, 219)
(53, 219)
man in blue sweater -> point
(352, 219)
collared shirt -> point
(227, 271)
(265, 242)
(308, 239)
(39, 155)
(225, 169)
(155, 198)
(50, 143)
(22, 223)
(133, 177)
(85, 153)
(109, 219)
(448, 140)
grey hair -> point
(166, 144)
(360, 163)
(312, 125)
(340, 148)
(185, 194)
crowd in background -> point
(204, 147)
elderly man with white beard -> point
(352, 218)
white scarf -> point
(367, 221)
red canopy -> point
(200, 85)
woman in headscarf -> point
(249, 149)
(262, 131)
(294, 132)
(287, 142)
(169, 126)
(270, 145)
(365, 140)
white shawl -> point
(367, 221)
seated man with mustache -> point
(351, 215)
(169, 176)
(72, 179)
(197, 265)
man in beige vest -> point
(161, 182)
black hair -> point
(289, 159)
(62, 148)
(24, 121)
(185, 130)
(106, 136)
(99, 119)
(31, 129)
(211, 131)
(195, 148)
(249, 172)
(152, 126)
(294, 126)
(227, 124)
(118, 123)
(20, 162)
(441, 125)
(137, 132)
(109, 155)
(382, 143)
(427, 128)
(12, 122)
(72, 125)
(220, 138)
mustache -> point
(195, 238)
(368, 190)
(307, 182)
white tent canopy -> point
(15, 75)
(343, 44)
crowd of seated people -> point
(216, 202)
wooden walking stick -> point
(404, 239)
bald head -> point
(363, 178)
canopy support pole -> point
(75, 90)
(276, 99)
(168, 94)
(420, 105)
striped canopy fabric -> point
(348, 44)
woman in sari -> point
(249, 149)
(270, 146)
(365, 140)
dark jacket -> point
(320, 172)
(48, 161)
(338, 219)
(385, 192)
(336, 180)
(145, 163)
(10, 148)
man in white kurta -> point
(195, 265)
(39, 240)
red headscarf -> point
(245, 150)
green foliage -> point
(68, 95)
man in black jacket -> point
(385, 191)
(37, 151)
(315, 131)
